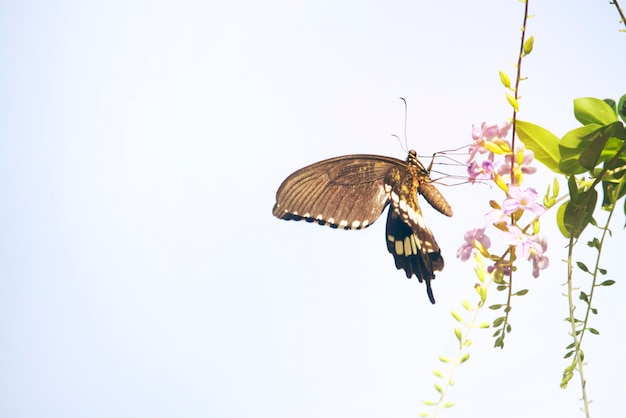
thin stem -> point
(619, 10)
(517, 81)
(595, 274)
(459, 355)
(577, 361)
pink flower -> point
(471, 237)
(526, 157)
(522, 242)
(491, 131)
(529, 247)
(483, 171)
(525, 200)
(539, 260)
(485, 134)
(496, 216)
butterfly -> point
(351, 192)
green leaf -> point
(496, 306)
(437, 373)
(593, 331)
(579, 212)
(607, 283)
(613, 185)
(594, 311)
(444, 359)
(610, 102)
(560, 219)
(583, 296)
(568, 354)
(602, 145)
(465, 357)
(520, 292)
(571, 147)
(542, 142)
(594, 243)
(448, 405)
(591, 110)
(499, 343)
(621, 108)
(498, 321)
(590, 156)
(582, 266)
(572, 187)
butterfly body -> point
(351, 192)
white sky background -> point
(141, 146)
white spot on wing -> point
(403, 207)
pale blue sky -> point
(141, 145)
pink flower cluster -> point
(506, 169)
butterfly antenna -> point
(399, 141)
(406, 112)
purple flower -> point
(471, 237)
(525, 200)
(539, 260)
(485, 134)
(529, 247)
(491, 131)
(483, 171)
(519, 240)
(496, 216)
(523, 161)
